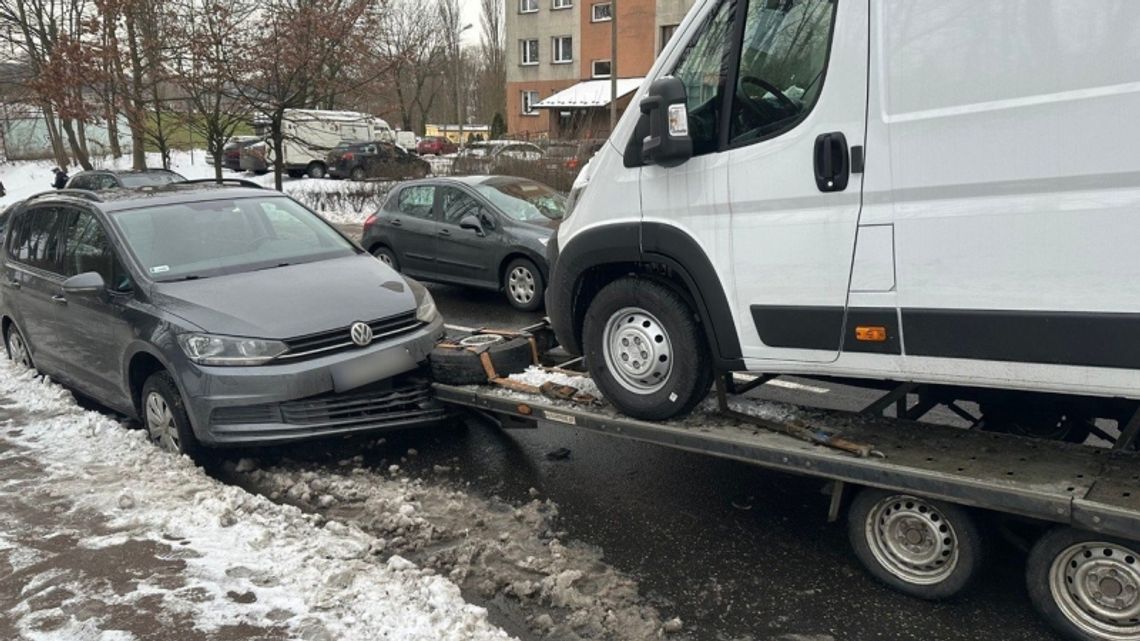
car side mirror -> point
(486, 219)
(84, 284)
(471, 222)
(667, 143)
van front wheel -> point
(645, 349)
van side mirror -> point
(667, 143)
(471, 222)
(85, 283)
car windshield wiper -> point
(182, 278)
(283, 264)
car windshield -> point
(217, 237)
(524, 200)
(150, 178)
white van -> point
(943, 192)
(309, 135)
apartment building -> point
(559, 60)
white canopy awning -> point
(590, 93)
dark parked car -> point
(215, 315)
(378, 160)
(484, 231)
(100, 179)
(571, 155)
(488, 157)
(435, 146)
(231, 153)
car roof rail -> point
(237, 182)
(86, 194)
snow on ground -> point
(339, 201)
(108, 538)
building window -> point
(601, 12)
(601, 69)
(529, 52)
(667, 32)
(561, 4)
(528, 6)
(529, 100)
(563, 49)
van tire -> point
(316, 170)
(685, 374)
(453, 366)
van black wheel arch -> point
(598, 256)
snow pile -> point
(248, 562)
(538, 376)
(510, 556)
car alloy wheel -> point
(18, 350)
(521, 284)
(160, 423)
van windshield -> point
(524, 200)
(216, 237)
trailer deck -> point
(1092, 489)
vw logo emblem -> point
(361, 333)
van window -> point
(703, 69)
(417, 201)
(782, 62)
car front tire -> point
(18, 350)
(164, 416)
(645, 349)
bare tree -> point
(492, 82)
(283, 63)
(207, 28)
(451, 24)
(412, 48)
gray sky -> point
(472, 13)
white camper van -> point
(935, 192)
(311, 133)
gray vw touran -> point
(215, 315)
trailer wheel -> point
(927, 549)
(1087, 586)
(453, 366)
(645, 349)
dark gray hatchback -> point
(215, 315)
(483, 231)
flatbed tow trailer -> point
(904, 516)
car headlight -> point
(426, 311)
(208, 349)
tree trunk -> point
(113, 130)
(278, 153)
(54, 137)
(76, 150)
(81, 134)
(137, 112)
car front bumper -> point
(293, 401)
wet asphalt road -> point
(736, 551)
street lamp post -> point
(613, 64)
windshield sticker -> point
(160, 269)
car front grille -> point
(372, 405)
(329, 342)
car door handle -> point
(445, 232)
(14, 284)
(59, 298)
(395, 222)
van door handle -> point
(832, 167)
(59, 298)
